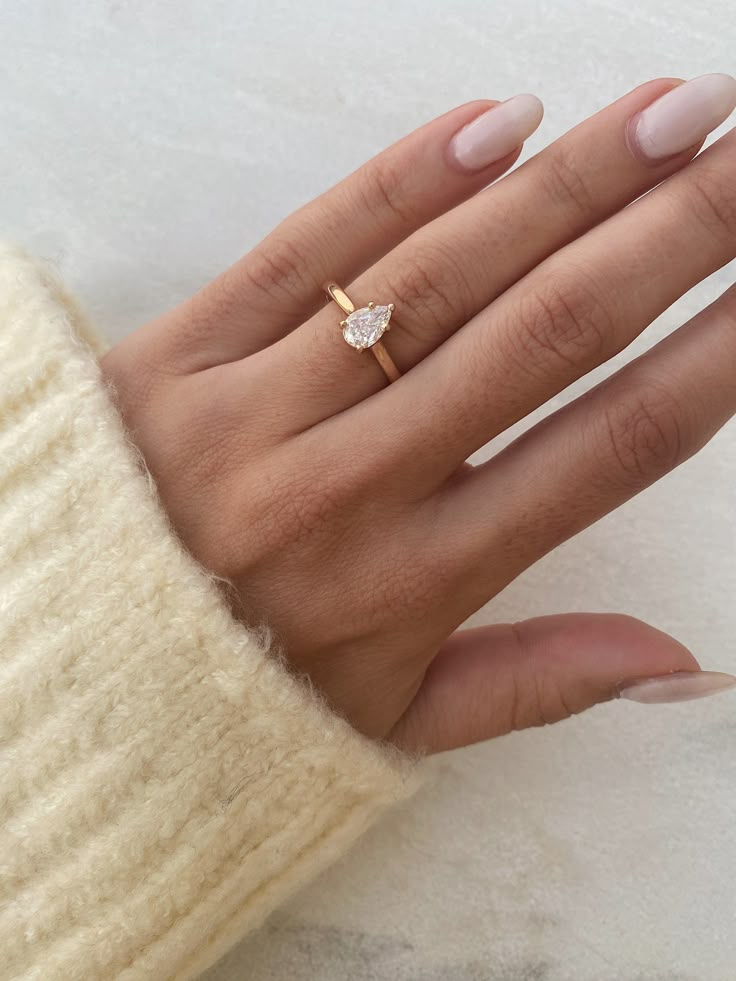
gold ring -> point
(364, 328)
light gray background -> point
(144, 146)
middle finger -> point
(575, 311)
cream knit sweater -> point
(164, 782)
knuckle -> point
(291, 509)
(713, 204)
(433, 286)
(411, 592)
(276, 269)
(646, 434)
(384, 192)
(564, 323)
(564, 184)
(408, 595)
(535, 697)
(300, 507)
(550, 701)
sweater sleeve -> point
(164, 781)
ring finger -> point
(277, 285)
(452, 268)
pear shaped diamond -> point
(364, 327)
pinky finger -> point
(591, 456)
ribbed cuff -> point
(164, 782)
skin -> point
(341, 509)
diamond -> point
(366, 326)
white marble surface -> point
(144, 146)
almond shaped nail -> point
(680, 686)
(684, 116)
(495, 133)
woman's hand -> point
(339, 506)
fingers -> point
(488, 681)
(278, 285)
(453, 267)
(575, 311)
(597, 452)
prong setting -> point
(364, 327)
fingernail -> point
(680, 686)
(495, 133)
(683, 116)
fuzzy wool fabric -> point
(164, 782)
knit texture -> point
(164, 782)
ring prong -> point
(343, 323)
(391, 307)
(371, 305)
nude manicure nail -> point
(683, 116)
(680, 686)
(495, 133)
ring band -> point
(364, 328)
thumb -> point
(488, 681)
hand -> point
(340, 508)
